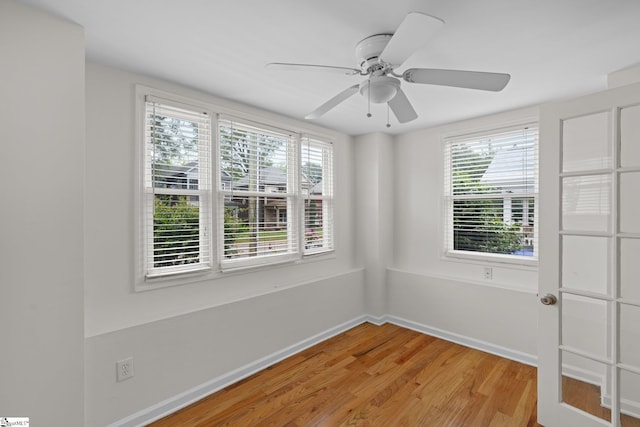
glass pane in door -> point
(586, 142)
(629, 269)
(629, 136)
(629, 398)
(630, 336)
(629, 202)
(585, 263)
(583, 384)
(584, 324)
(586, 203)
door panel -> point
(589, 259)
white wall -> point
(445, 294)
(183, 336)
(374, 222)
(199, 352)
(42, 218)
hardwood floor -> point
(386, 376)
(586, 397)
(375, 376)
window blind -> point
(317, 189)
(491, 188)
(177, 189)
(258, 188)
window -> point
(176, 189)
(491, 188)
(258, 188)
(317, 188)
(220, 193)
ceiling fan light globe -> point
(380, 89)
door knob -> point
(549, 299)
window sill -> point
(493, 260)
(211, 274)
(175, 279)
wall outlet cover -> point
(124, 369)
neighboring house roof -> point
(178, 170)
(271, 175)
(190, 171)
(268, 176)
(176, 176)
(317, 189)
(511, 169)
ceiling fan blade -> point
(414, 32)
(466, 79)
(311, 67)
(402, 108)
(342, 96)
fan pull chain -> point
(369, 98)
(388, 124)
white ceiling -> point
(552, 49)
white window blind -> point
(258, 189)
(177, 188)
(491, 188)
(317, 189)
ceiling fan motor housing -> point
(368, 50)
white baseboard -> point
(627, 407)
(584, 375)
(527, 359)
(376, 320)
(188, 397)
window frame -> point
(143, 282)
(451, 254)
(290, 196)
(327, 196)
(145, 277)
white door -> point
(589, 340)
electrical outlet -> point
(488, 273)
(124, 369)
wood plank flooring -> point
(586, 397)
(375, 376)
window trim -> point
(203, 192)
(291, 196)
(473, 257)
(140, 280)
(311, 140)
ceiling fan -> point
(381, 54)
